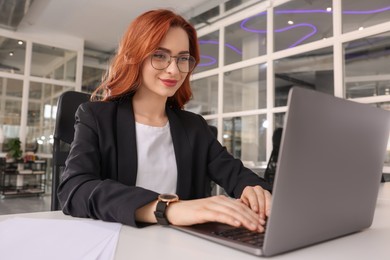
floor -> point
(26, 204)
(14, 205)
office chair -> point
(269, 174)
(67, 105)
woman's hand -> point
(258, 199)
(215, 209)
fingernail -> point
(261, 221)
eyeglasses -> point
(161, 60)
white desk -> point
(156, 242)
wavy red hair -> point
(141, 39)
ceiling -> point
(99, 22)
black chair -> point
(269, 174)
(67, 105)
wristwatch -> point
(163, 202)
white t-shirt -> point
(157, 169)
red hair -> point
(142, 38)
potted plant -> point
(14, 150)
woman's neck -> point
(149, 110)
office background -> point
(252, 53)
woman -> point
(138, 144)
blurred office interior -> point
(252, 54)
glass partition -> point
(42, 110)
(309, 70)
(209, 55)
(205, 96)
(12, 55)
(52, 62)
(245, 89)
(92, 78)
(386, 106)
(246, 39)
(358, 15)
(245, 138)
(299, 22)
(366, 63)
(279, 120)
(10, 107)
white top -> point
(157, 169)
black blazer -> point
(101, 169)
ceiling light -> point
(290, 22)
(329, 9)
(20, 42)
(11, 53)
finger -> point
(250, 196)
(260, 197)
(232, 212)
(268, 203)
(244, 200)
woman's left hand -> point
(257, 199)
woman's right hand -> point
(214, 209)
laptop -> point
(327, 178)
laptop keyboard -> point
(242, 235)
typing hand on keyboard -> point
(257, 199)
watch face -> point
(168, 197)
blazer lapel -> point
(183, 154)
(126, 143)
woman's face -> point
(165, 82)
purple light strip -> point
(305, 11)
(314, 31)
(297, 11)
(375, 11)
(211, 62)
(235, 49)
(301, 11)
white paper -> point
(29, 238)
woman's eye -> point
(183, 58)
(160, 56)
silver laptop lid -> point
(329, 169)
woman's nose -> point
(172, 67)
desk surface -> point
(156, 242)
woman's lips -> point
(169, 82)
